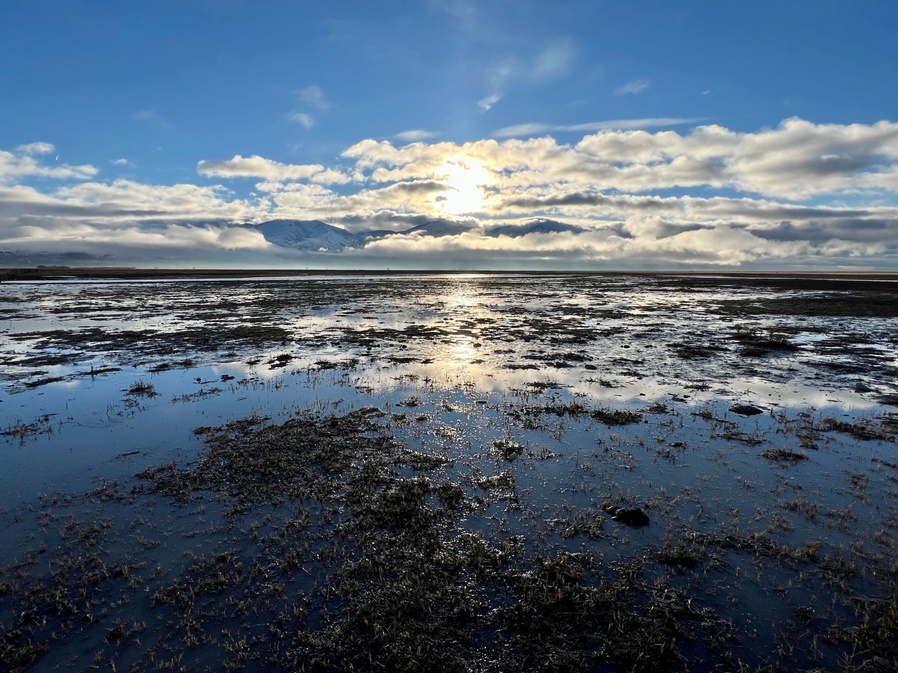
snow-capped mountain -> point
(317, 236)
(533, 227)
(311, 235)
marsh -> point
(465, 472)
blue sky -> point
(137, 98)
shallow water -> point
(459, 363)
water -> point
(102, 381)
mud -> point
(440, 472)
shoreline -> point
(126, 273)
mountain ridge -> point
(319, 236)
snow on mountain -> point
(534, 227)
(317, 236)
(311, 235)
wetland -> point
(461, 472)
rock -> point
(861, 387)
(631, 516)
(745, 410)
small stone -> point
(630, 516)
(745, 410)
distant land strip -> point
(135, 273)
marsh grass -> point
(328, 543)
(141, 387)
(782, 455)
(885, 429)
(413, 590)
(21, 430)
(758, 342)
(345, 549)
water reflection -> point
(622, 394)
(608, 338)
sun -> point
(465, 179)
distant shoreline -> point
(127, 273)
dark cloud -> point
(846, 229)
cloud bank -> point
(795, 195)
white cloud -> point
(634, 87)
(613, 124)
(119, 162)
(258, 167)
(736, 198)
(331, 176)
(130, 199)
(415, 135)
(552, 62)
(314, 97)
(546, 65)
(487, 102)
(134, 241)
(35, 148)
(273, 171)
(303, 119)
(21, 163)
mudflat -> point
(472, 472)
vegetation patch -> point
(886, 429)
(781, 455)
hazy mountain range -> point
(308, 236)
(317, 236)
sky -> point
(691, 134)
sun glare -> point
(466, 179)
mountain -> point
(534, 227)
(317, 236)
(16, 258)
(440, 228)
(311, 235)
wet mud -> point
(477, 473)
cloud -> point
(139, 243)
(614, 124)
(314, 97)
(119, 162)
(634, 87)
(716, 246)
(258, 167)
(127, 197)
(798, 193)
(22, 163)
(552, 62)
(487, 102)
(273, 171)
(415, 135)
(35, 148)
(70, 212)
(303, 119)
(548, 64)
(151, 116)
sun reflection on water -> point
(461, 351)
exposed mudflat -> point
(446, 472)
